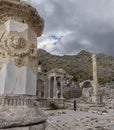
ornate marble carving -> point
(17, 100)
(20, 111)
(23, 13)
(16, 48)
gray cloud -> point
(84, 24)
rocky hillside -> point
(80, 65)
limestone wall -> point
(72, 93)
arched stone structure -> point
(94, 83)
(82, 83)
(87, 90)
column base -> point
(21, 113)
(55, 98)
(62, 98)
(97, 99)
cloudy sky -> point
(74, 25)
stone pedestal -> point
(14, 80)
(20, 25)
(96, 99)
(21, 113)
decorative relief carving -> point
(21, 12)
(16, 48)
(16, 101)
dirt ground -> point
(78, 120)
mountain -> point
(80, 65)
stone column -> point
(95, 90)
(44, 89)
(96, 96)
(61, 87)
(49, 87)
(54, 89)
(94, 57)
(39, 94)
(20, 25)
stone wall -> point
(72, 93)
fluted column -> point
(61, 87)
(49, 87)
(44, 89)
(54, 89)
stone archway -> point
(86, 82)
(40, 88)
(87, 90)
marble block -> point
(27, 32)
(12, 25)
(21, 112)
(14, 80)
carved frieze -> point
(17, 100)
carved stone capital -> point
(16, 10)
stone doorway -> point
(87, 91)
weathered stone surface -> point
(14, 80)
(12, 25)
(22, 12)
(16, 47)
(33, 127)
(20, 111)
(87, 92)
(77, 120)
(20, 24)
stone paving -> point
(78, 120)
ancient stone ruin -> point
(92, 94)
(96, 94)
(56, 84)
(20, 25)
